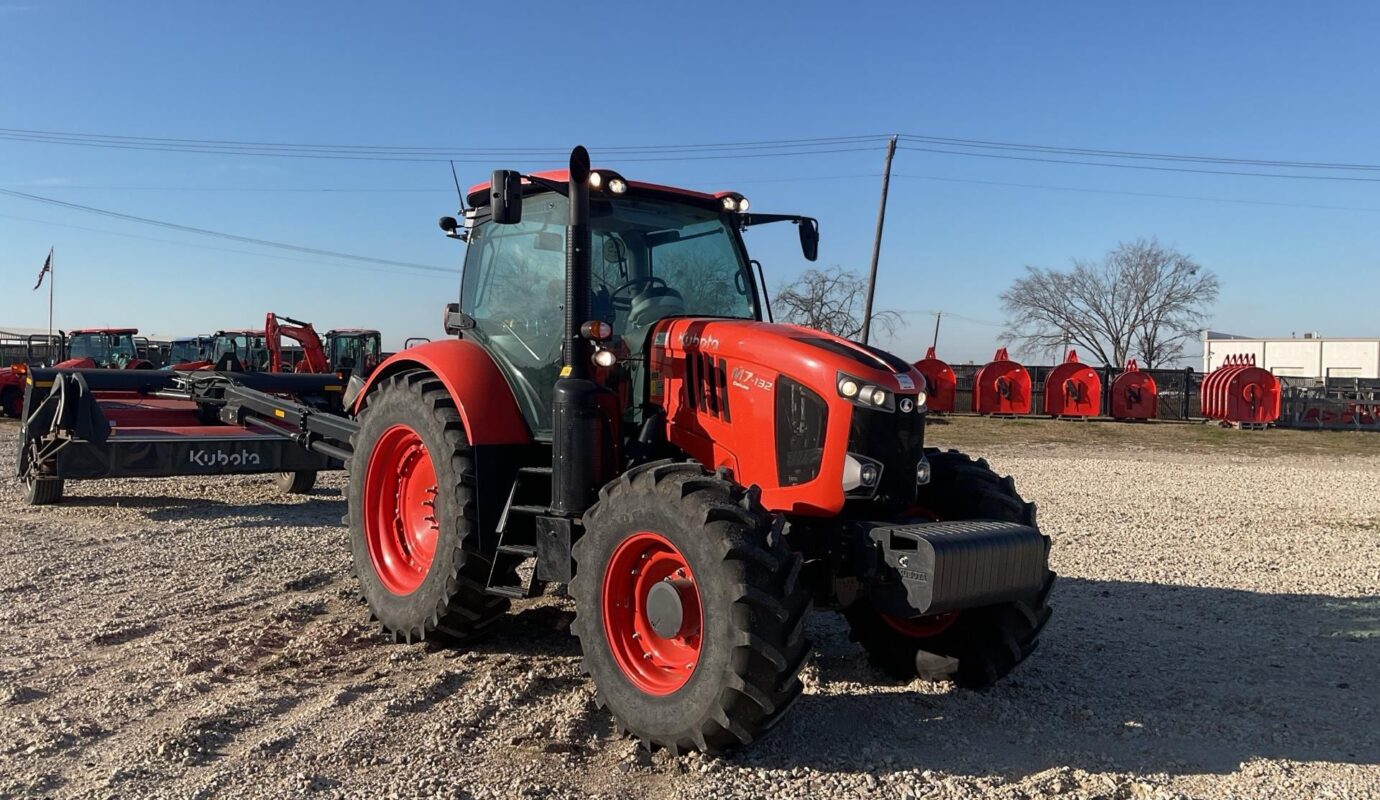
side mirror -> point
(505, 197)
(455, 322)
(809, 238)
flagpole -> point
(52, 278)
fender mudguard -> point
(481, 392)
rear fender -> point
(481, 392)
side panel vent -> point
(706, 385)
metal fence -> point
(1179, 389)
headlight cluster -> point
(860, 393)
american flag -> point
(47, 267)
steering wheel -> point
(650, 280)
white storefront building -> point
(1309, 356)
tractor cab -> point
(245, 349)
(188, 351)
(104, 348)
(656, 253)
(353, 349)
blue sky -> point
(1251, 80)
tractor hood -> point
(809, 356)
(799, 413)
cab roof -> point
(112, 331)
(478, 195)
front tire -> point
(974, 648)
(412, 514)
(12, 402)
(688, 609)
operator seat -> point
(650, 305)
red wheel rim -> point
(921, 627)
(658, 665)
(400, 509)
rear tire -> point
(740, 618)
(42, 491)
(412, 514)
(977, 647)
(12, 402)
(300, 482)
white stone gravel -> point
(1216, 634)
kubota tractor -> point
(614, 411)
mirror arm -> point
(762, 278)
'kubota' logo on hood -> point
(695, 340)
(204, 458)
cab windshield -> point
(651, 259)
(352, 350)
(106, 349)
(250, 350)
(182, 352)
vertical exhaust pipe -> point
(584, 437)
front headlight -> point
(861, 393)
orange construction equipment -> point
(1001, 387)
(1073, 389)
(1134, 394)
(1241, 393)
(313, 352)
(940, 382)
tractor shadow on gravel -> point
(1132, 677)
(318, 511)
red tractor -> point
(39, 351)
(104, 348)
(613, 410)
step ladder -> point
(528, 499)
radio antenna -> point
(459, 194)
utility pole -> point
(877, 242)
(937, 316)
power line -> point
(657, 152)
(103, 231)
(1149, 167)
(1132, 154)
(1138, 194)
(222, 235)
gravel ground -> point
(1216, 634)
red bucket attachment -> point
(1073, 389)
(940, 381)
(1241, 393)
(1001, 387)
(1134, 394)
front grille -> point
(801, 420)
(895, 440)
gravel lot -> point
(1216, 634)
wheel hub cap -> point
(652, 613)
(400, 509)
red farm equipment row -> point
(631, 426)
(1241, 393)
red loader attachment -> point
(1241, 393)
(1134, 394)
(1073, 389)
(1002, 387)
(939, 377)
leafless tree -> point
(830, 300)
(1142, 299)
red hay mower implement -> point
(612, 411)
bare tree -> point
(1142, 299)
(830, 300)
